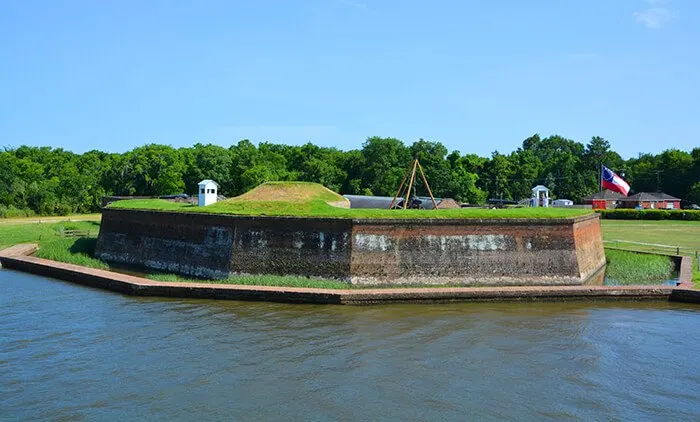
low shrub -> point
(632, 214)
(12, 212)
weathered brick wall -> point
(308, 247)
(467, 252)
(191, 244)
(214, 246)
(473, 252)
(590, 253)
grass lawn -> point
(682, 234)
(646, 235)
(36, 219)
(52, 244)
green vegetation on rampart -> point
(322, 209)
(313, 200)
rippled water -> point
(70, 352)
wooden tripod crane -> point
(411, 176)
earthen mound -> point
(297, 192)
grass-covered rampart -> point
(299, 199)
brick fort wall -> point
(359, 251)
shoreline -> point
(18, 258)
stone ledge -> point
(139, 286)
(22, 249)
(685, 273)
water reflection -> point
(73, 352)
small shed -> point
(208, 190)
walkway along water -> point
(16, 258)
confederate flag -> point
(612, 181)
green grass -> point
(42, 233)
(258, 280)
(52, 245)
(319, 208)
(631, 234)
(78, 251)
(625, 268)
(682, 234)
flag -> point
(612, 181)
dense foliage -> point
(54, 181)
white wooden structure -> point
(208, 190)
(540, 196)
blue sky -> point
(475, 75)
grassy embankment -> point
(647, 236)
(626, 268)
(52, 244)
(300, 199)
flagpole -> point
(600, 178)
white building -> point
(563, 203)
(540, 196)
(208, 190)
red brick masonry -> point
(392, 253)
(12, 258)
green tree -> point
(387, 160)
(156, 170)
(207, 162)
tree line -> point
(53, 181)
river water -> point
(73, 353)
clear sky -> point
(475, 75)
